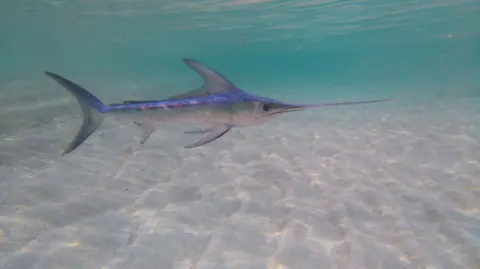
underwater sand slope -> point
(391, 186)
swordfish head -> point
(259, 112)
(258, 109)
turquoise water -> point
(384, 45)
(388, 186)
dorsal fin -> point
(214, 82)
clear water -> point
(374, 44)
(301, 51)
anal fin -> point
(215, 133)
(147, 131)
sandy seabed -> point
(390, 186)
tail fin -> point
(90, 106)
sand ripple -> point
(389, 186)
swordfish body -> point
(218, 104)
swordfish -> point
(218, 104)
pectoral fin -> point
(200, 131)
(215, 133)
(146, 130)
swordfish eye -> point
(266, 108)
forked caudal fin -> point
(91, 108)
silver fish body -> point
(219, 105)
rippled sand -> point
(381, 186)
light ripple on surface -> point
(311, 20)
